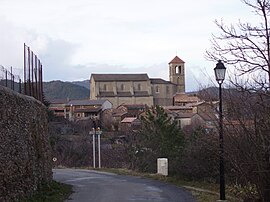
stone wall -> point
(25, 154)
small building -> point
(111, 118)
(87, 108)
(134, 110)
(182, 99)
(184, 119)
(179, 109)
(130, 123)
(206, 107)
(58, 107)
(208, 121)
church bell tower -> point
(177, 74)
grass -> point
(52, 192)
(202, 191)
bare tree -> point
(246, 46)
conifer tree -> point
(159, 137)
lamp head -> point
(220, 71)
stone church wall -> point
(25, 154)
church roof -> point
(159, 81)
(176, 59)
(120, 77)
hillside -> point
(16, 85)
(61, 90)
(85, 83)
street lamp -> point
(220, 71)
(96, 131)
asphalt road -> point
(95, 186)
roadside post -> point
(92, 132)
(98, 132)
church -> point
(129, 89)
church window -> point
(177, 69)
(167, 89)
(122, 86)
(105, 87)
(139, 86)
(157, 89)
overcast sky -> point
(74, 38)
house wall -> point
(25, 153)
(185, 122)
(106, 105)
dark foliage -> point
(160, 137)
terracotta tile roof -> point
(86, 102)
(173, 108)
(208, 116)
(176, 59)
(88, 110)
(120, 77)
(182, 97)
(185, 115)
(58, 101)
(128, 120)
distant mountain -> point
(208, 94)
(212, 93)
(85, 83)
(16, 85)
(62, 90)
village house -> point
(58, 107)
(182, 99)
(129, 124)
(78, 109)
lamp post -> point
(93, 133)
(220, 71)
(96, 131)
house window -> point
(157, 89)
